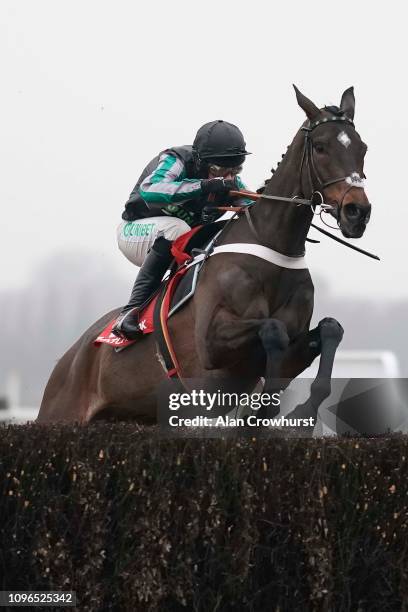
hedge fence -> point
(134, 522)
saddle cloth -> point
(180, 287)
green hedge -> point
(133, 522)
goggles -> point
(223, 171)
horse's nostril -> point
(352, 211)
(357, 212)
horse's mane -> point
(335, 110)
(261, 189)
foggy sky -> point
(91, 91)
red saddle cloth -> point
(145, 324)
(146, 315)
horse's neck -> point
(283, 226)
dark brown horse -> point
(249, 318)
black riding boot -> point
(147, 281)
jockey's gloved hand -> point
(219, 186)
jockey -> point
(168, 200)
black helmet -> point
(220, 139)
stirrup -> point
(118, 328)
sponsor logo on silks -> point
(134, 228)
(178, 211)
(142, 324)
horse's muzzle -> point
(354, 218)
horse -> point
(249, 317)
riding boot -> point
(147, 281)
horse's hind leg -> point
(330, 334)
(67, 396)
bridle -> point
(316, 200)
(354, 180)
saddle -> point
(174, 292)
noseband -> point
(354, 180)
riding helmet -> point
(220, 142)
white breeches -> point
(135, 238)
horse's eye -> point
(319, 148)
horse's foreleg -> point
(330, 334)
(227, 342)
(230, 339)
(275, 341)
(301, 353)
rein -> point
(294, 200)
(257, 196)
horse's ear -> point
(348, 103)
(307, 105)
